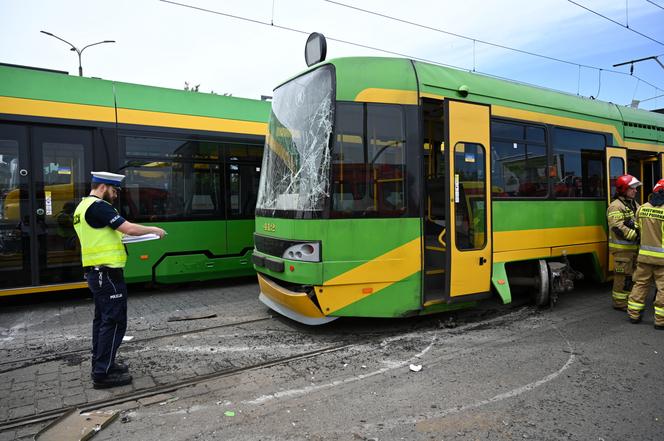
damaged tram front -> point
(338, 226)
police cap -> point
(107, 178)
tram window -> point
(616, 169)
(243, 189)
(368, 169)
(578, 167)
(232, 150)
(170, 148)
(519, 160)
(469, 196)
(160, 190)
(386, 158)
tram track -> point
(117, 400)
(40, 359)
(171, 387)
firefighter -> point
(650, 263)
(623, 238)
(99, 228)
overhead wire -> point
(488, 43)
(616, 22)
(299, 31)
(655, 4)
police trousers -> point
(110, 322)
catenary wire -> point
(400, 54)
(488, 43)
(655, 4)
(613, 21)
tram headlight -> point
(306, 252)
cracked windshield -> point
(295, 176)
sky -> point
(165, 44)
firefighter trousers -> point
(623, 268)
(643, 277)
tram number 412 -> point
(267, 226)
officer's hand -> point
(159, 232)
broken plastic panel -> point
(296, 162)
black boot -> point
(635, 321)
(111, 380)
(118, 368)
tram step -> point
(434, 283)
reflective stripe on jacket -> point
(99, 246)
(650, 220)
(622, 237)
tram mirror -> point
(315, 49)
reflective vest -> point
(651, 224)
(99, 246)
(622, 237)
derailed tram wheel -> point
(542, 289)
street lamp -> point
(75, 49)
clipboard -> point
(142, 238)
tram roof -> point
(359, 77)
(39, 84)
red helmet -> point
(625, 182)
(659, 186)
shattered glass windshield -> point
(296, 160)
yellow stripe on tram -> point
(86, 112)
(370, 277)
(50, 109)
(389, 96)
(40, 289)
(149, 118)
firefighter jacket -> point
(650, 220)
(620, 215)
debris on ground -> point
(415, 367)
(448, 324)
(229, 413)
(77, 425)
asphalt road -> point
(578, 372)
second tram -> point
(192, 162)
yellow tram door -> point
(469, 194)
(616, 165)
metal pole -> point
(75, 49)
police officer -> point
(100, 228)
(623, 238)
(650, 263)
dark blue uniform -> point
(110, 296)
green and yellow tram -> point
(192, 162)
(392, 187)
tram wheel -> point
(542, 290)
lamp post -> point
(77, 50)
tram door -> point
(616, 163)
(467, 141)
(44, 173)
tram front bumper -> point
(294, 305)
